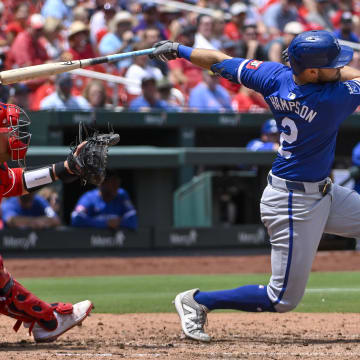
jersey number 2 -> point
(289, 138)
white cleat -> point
(192, 315)
(65, 322)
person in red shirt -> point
(233, 28)
(27, 49)
(19, 24)
(248, 100)
(79, 41)
(183, 74)
(45, 321)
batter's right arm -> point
(168, 50)
(349, 73)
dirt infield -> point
(150, 336)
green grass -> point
(326, 292)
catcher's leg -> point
(47, 321)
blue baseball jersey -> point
(92, 211)
(356, 162)
(259, 145)
(308, 116)
(12, 207)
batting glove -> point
(165, 50)
(285, 55)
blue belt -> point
(299, 186)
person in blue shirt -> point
(120, 38)
(345, 32)
(107, 207)
(150, 100)
(309, 101)
(28, 212)
(150, 18)
(209, 95)
(269, 138)
(356, 164)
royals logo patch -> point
(253, 64)
(353, 87)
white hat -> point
(37, 21)
(120, 17)
(293, 27)
(238, 8)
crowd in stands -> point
(35, 32)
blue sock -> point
(252, 298)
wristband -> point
(62, 173)
(35, 179)
(185, 51)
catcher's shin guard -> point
(19, 303)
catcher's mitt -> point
(90, 161)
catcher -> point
(86, 161)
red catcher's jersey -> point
(10, 181)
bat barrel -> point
(37, 71)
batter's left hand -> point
(165, 50)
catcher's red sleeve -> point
(12, 181)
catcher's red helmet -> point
(15, 122)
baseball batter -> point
(309, 102)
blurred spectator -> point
(248, 100)
(52, 40)
(171, 95)
(167, 15)
(321, 15)
(109, 206)
(233, 29)
(79, 42)
(62, 99)
(150, 18)
(249, 47)
(209, 95)
(99, 21)
(27, 49)
(19, 95)
(19, 23)
(278, 45)
(183, 74)
(356, 163)
(343, 6)
(151, 36)
(120, 38)
(52, 197)
(218, 36)
(233, 49)
(345, 32)
(204, 33)
(269, 140)
(81, 13)
(58, 9)
(279, 14)
(29, 211)
(138, 70)
(150, 98)
(95, 94)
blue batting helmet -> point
(317, 49)
(269, 127)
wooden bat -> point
(32, 72)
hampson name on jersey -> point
(303, 111)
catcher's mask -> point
(16, 124)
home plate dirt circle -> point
(235, 335)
